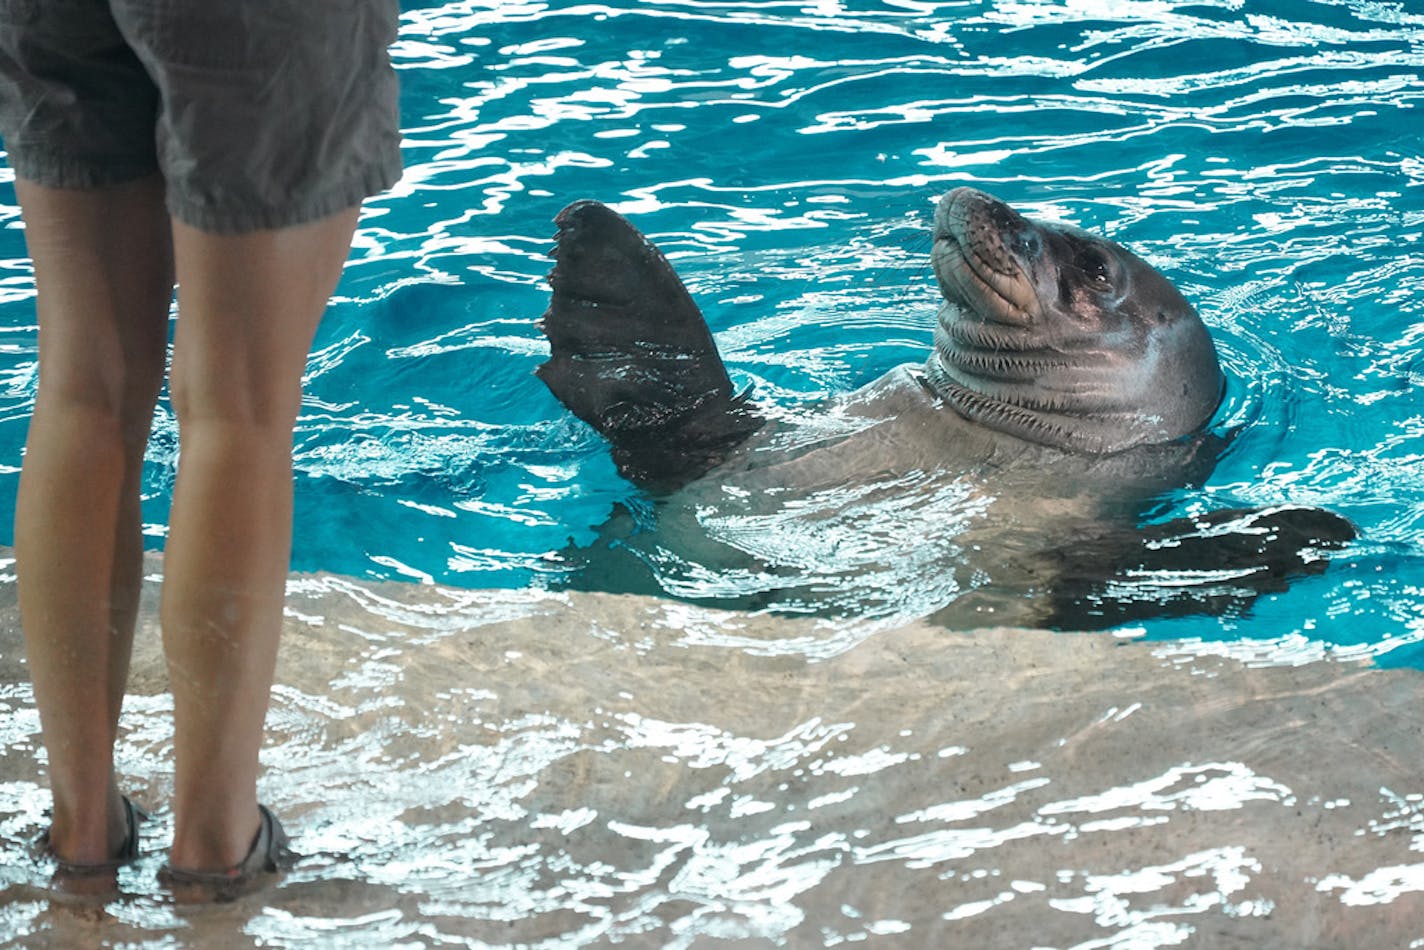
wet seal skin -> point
(1070, 384)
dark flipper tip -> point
(1216, 563)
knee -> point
(96, 389)
(231, 394)
(104, 396)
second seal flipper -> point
(1214, 563)
(631, 355)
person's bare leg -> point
(104, 275)
(248, 307)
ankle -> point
(214, 845)
(88, 835)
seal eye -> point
(1093, 264)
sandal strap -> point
(269, 854)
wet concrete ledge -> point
(664, 775)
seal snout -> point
(983, 255)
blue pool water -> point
(1267, 156)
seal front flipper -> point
(631, 355)
(1215, 563)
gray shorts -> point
(259, 113)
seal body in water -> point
(1002, 480)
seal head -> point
(1061, 337)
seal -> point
(1069, 385)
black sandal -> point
(94, 878)
(269, 854)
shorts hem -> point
(52, 170)
(219, 220)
